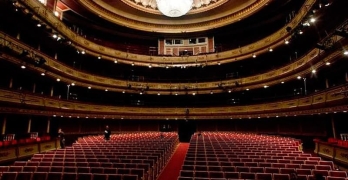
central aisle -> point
(172, 170)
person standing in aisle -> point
(107, 133)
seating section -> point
(230, 155)
(132, 156)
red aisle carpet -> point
(172, 170)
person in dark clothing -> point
(61, 137)
(107, 133)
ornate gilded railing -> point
(327, 101)
(81, 43)
(315, 58)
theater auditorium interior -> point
(190, 89)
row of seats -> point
(64, 176)
(61, 169)
(257, 169)
(274, 177)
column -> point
(11, 83)
(333, 126)
(29, 125)
(52, 91)
(3, 131)
(327, 83)
(34, 87)
(48, 125)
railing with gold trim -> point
(285, 73)
(241, 53)
(326, 101)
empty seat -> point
(338, 173)
(84, 176)
(127, 177)
(247, 175)
(69, 176)
(287, 170)
(242, 169)
(43, 169)
(323, 167)
(39, 175)
(56, 169)
(231, 175)
(330, 163)
(216, 174)
(16, 168)
(264, 176)
(186, 173)
(322, 172)
(307, 166)
(303, 171)
(105, 176)
(29, 169)
(271, 170)
(335, 178)
(277, 176)
(256, 169)
(54, 176)
(9, 175)
(24, 175)
(201, 168)
(294, 166)
(228, 168)
(251, 164)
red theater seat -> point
(281, 176)
(84, 176)
(9, 175)
(39, 175)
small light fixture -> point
(219, 63)
(56, 13)
(150, 66)
(282, 82)
(115, 61)
(314, 71)
(73, 84)
(89, 87)
(176, 94)
(38, 25)
(158, 94)
(265, 86)
(99, 57)
(345, 52)
(327, 63)
(58, 79)
(106, 90)
(298, 77)
(54, 36)
(277, 116)
(23, 66)
(167, 67)
(270, 50)
(247, 89)
(312, 20)
(83, 52)
(43, 74)
(123, 92)
(211, 92)
(254, 55)
(194, 93)
(132, 64)
(300, 32)
(286, 41)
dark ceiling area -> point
(260, 25)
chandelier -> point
(174, 8)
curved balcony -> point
(83, 44)
(328, 101)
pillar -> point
(34, 87)
(11, 83)
(52, 90)
(327, 83)
(48, 125)
(3, 130)
(29, 125)
(333, 126)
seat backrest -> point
(84, 176)
(54, 176)
(69, 176)
(338, 173)
(39, 175)
(9, 175)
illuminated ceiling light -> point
(167, 67)
(83, 52)
(176, 94)
(54, 36)
(158, 94)
(150, 66)
(306, 24)
(106, 90)
(132, 64)
(344, 111)
(300, 32)
(247, 89)
(254, 55)
(270, 50)
(86, 117)
(99, 57)
(259, 117)
(23, 66)
(211, 92)
(141, 93)
(345, 52)
(38, 25)
(229, 91)
(265, 86)
(43, 74)
(298, 77)
(54, 115)
(314, 71)
(312, 20)
(194, 93)
(327, 63)
(89, 87)
(56, 13)
(61, 116)
(219, 63)
(277, 116)
(175, 8)
(123, 92)
(58, 79)
(287, 41)
(282, 82)
(73, 84)
(115, 61)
